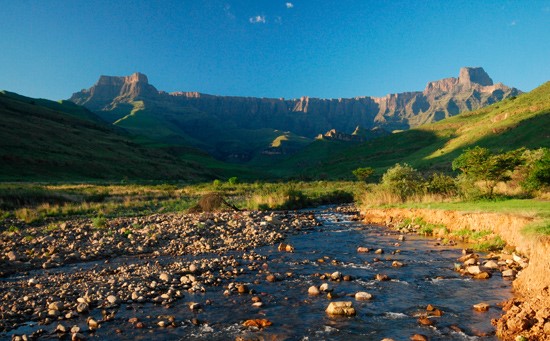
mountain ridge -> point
(222, 124)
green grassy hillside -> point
(59, 141)
(510, 124)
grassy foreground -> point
(34, 203)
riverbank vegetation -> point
(516, 181)
(34, 203)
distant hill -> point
(58, 141)
(242, 128)
(521, 121)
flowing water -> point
(426, 278)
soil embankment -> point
(527, 314)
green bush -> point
(537, 169)
(362, 174)
(232, 180)
(99, 222)
(439, 183)
(403, 180)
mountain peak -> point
(476, 75)
(136, 77)
(110, 89)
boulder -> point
(363, 296)
(341, 308)
(313, 290)
(473, 270)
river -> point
(427, 277)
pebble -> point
(82, 307)
(112, 299)
(165, 277)
(481, 307)
(491, 264)
(425, 321)
(382, 277)
(92, 323)
(336, 276)
(508, 273)
(473, 270)
(325, 287)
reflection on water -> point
(426, 278)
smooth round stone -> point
(165, 277)
(324, 287)
(313, 290)
(363, 296)
(336, 276)
(112, 299)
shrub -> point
(441, 184)
(403, 180)
(211, 202)
(232, 180)
(362, 174)
(537, 169)
(99, 222)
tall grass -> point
(34, 203)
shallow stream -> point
(426, 278)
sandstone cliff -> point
(216, 122)
(309, 116)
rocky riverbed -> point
(48, 296)
(243, 275)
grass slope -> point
(59, 141)
(510, 124)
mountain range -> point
(244, 128)
(129, 129)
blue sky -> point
(270, 48)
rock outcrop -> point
(335, 135)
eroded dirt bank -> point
(527, 314)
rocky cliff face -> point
(226, 126)
(309, 116)
(110, 91)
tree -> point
(362, 174)
(536, 169)
(403, 180)
(479, 164)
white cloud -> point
(289, 5)
(259, 19)
(513, 23)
